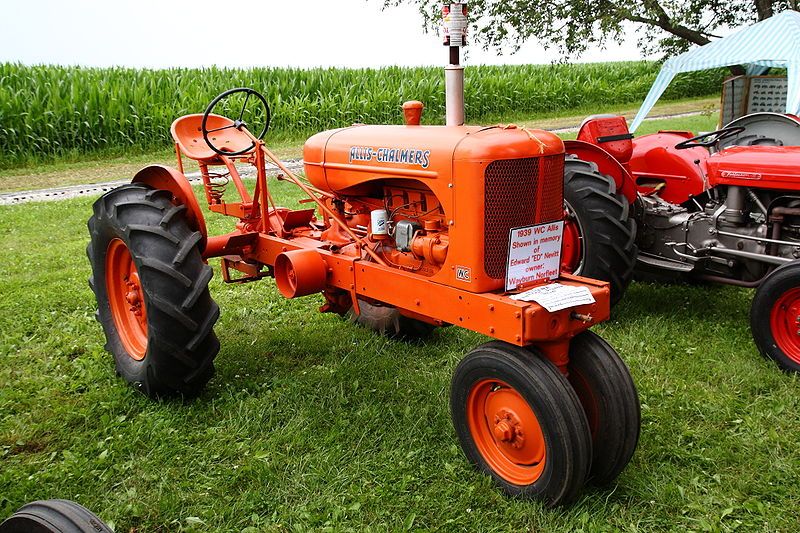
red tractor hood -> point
(768, 167)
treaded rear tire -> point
(53, 516)
(608, 231)
(387, 320)
(181, 344)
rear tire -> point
(601, 217)
(151, 286)
(775, 317)
(518, 420)
(387, 320)
(53, 516)
(610, 401)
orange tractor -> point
(408, 228)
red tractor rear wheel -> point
(151, 286)
(775, 317)
(518, 419)
(599, 233)
(611, 403)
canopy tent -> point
(773, 42)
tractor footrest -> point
(662, 263)
(250, 271)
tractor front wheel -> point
(599, 233)
(518, 419)
(151, 286)
(611, 403)
(775, 317)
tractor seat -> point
(188, 135)
(609, 132)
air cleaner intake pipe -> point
(454, 29)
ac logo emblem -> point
(463, 274)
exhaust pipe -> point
(454, 18)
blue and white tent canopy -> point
(774, 42)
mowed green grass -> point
(314, 423)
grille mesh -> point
(513, 198)
(551, 196)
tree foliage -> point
(572, 26)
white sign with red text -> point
(534, 253)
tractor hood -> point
(339, 160)
(769, 167)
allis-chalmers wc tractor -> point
(411, 229)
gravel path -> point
(75, 191)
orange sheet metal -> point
(516, 322)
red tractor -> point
(408, 228)
(722, 207)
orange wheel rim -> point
(506, 431)
(126, 299)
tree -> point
(666, 26)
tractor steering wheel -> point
(707, 140)
(239, 122)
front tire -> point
(151, 286)
(610, 401)
(775, 317)
(518, 420)
(599, 233)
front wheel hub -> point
(506, 431)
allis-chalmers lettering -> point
(407, 156)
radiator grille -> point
(518, 192)
(551, 196)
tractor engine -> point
(731, 232)
(438, 201)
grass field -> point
(313, 423)
(48, 112)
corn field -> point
(52, 111)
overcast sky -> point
(302, 33)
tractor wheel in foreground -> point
(518, 419)
(388, 321)
(53, 516)
(599, 233)
(775, 317)
(151, 286)
(609, 398)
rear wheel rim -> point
(506, 432)
(126, 299)
(785, 323)
(572, 242)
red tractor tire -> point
(519, 420)
(610, 401)
(53, 516)
(775, 317)
(600, 218)
(151, 286)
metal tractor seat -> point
(188, 136)
(611, 133)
